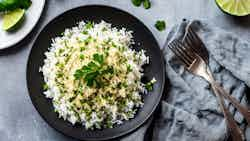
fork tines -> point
(192, 37)
(195, 43)
(182, 52)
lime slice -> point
(12, 18)
(235, 7)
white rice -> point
(60, 87)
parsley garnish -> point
(146, 4)
(89, 25)
(81, 56)
(149, 85)
(160, 25)
(136, 2)
(85, 32)
(98, 58)
(45, 87)
(93, 71)
(129, 68)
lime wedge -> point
(12, 18)
(235, 7)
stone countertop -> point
(19, 120)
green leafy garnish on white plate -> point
(9, 5)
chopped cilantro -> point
(98, 58)
(146, 4)
(81, 56)
(129, 68)
(149, 85)
(85, 32)
(86, 41)
(89, 25)
(59, 74)
(136, 3)
(45, 87)
(160, 25)
(93, 71)
(61, 51)
(104, 29)
(82, 48)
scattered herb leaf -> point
(98, 58)
(146, 4)
(160, 25)
(129, 68)
(8, 5)
(149, 85)
(89, 25)
(136, 3)
(45, 87)
(85, 32)
(81, 56)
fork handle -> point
(243, 110)
(234, 129)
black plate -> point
(119, 19)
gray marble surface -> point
(19, 120)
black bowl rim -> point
(161, 61)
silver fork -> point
(197, 66)
(195, 43)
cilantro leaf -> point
(45, 87)
(136, 3)
(89, 25)
(78, 74)
(90, 78)
(146, 4)
(150, 84)
(93, 71)
(8, 5)
(98, 58)
(81, 56)
(160, 25)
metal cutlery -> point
(197, 66)
(194, 42)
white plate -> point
(32, 16)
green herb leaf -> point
(90, 78)
(81, 56)
(89, 25)
(94, 69)
(146, 4)
(86, 41)
(85, 32)
(45, 87)
(78, 74)
(129, 68)
(98, 58)
(8, 5)
(136, 3)
(160, 25)
(82, 48)
(150, 84)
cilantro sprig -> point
(160, 25)
(146, 3)
(150, 84)
(92, 72)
